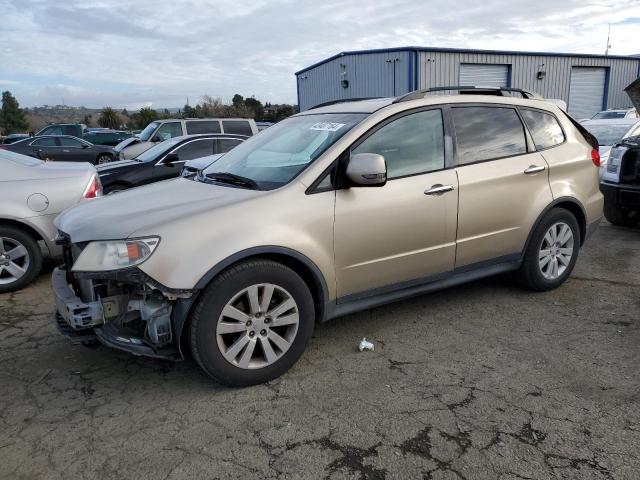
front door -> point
(187, 151)
(504, 184)
(405, 230)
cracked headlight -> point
(103, 256)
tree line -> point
(14, 119)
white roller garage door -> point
(484, 75)
(586, 91)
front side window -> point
(237, 127)
(44, 142)
(202, 126)
(168, 130)
(53, 130)
(410, 145)
(281, 152)
(157, 150)
(544, 128)
(485, 133)
(195, 149)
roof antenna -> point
(606, 52)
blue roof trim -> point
(463, 50)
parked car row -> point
(162, 130)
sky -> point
(159, 53)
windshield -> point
(146, 133)
(605, 115)
(280, 152)
(159, 149)
(608, 134)
(18, 158)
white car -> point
(617, 113)
(610, 131)
(32, 194)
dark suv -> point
(106, 137)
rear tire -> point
(252, 323)
(552, 251)
(104, 158)
(24, 261)
(617, 216)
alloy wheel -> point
(556, 251)
(257, 326)
(14, 260)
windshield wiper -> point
(232, 179)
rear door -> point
(387, 236)
(503, 183)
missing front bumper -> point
(138, 324)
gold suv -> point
(336, 209)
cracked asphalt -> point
(482, 381)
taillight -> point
(94, 189)
(3, 147)
(595, 157)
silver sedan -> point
(32, 194)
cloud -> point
(117, 52)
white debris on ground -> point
(365, 345)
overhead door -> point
(484, 75)
(586, 91)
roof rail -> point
(467, 89)
(344, 100)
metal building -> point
(587, 83)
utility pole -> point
(606, 52)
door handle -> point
(438, 189)
(534, 169)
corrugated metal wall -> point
(371, 74)
(368, 74)
(443, 68)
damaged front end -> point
(123, 309)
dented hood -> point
(633, 90)
(119, 215)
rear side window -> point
(410, 145)
(237, 128)
(204, 126)
(223, 145)
(544, 128)
(70, 142)
(485, 133)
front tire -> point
(552, 251)
(20, 259)
(252, 323)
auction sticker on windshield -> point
(327, 126)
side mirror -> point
(84, 145)
(367, 170)
(170, 159)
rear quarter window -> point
(237, 127)
(203, 126)
(487, 133)
(544, 128)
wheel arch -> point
(568, 203)
(298, 262)
(8, 222)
